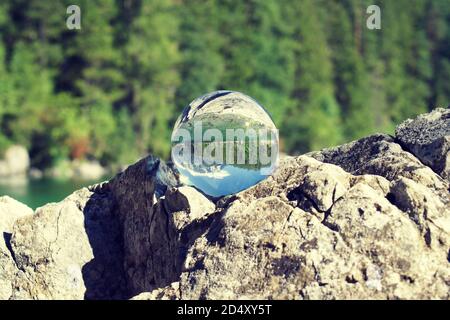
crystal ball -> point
(224, 142)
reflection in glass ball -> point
(224, 142)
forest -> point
(112, 90)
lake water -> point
(37, 192)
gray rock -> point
(35, 173)
(69, 250)
(191, 203)
(171, 292)
(428, 138)
(365, 220)
(155, 230)
(262, 245)
(15, 161)
(10, 211)
(78, 169)
(88, 170)
(381, 155)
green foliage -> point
(151, 56)
(351, 81)
(314, 119)
(258, 49)
(438, 15)
(111, 136)
(112, 90)
(202, 66)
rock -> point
(10, 211)
(163, 174)
(62, 170)
(382, 236)
(428, 138)
(77, 169)
(191, 203)
(69, 250)
(16, 182)
(15, 161)
(365, 220)
(426, 209)
(88, 170)
(35, 173)
(153, 239)
(381, 155)
(170, 292)
(264, 247)
(324, 187)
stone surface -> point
(381, 155)
(78, 169)
(365, 220)
(15, 161)
(428, 138)
(69, 250)
(89, 170)
(10, 211)
(171, 292)
(154, 232)
(263, 245)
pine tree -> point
(150, 59)
(112, 90)
(438, 34)
(32, 89)
(314, 121)
(202, 64)
(6, 98)
(406, 95)
(350, 76)
(374, 67)
(91, 52)
(259, 53)
(94, 74)
(39, 25)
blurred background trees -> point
(112, 90)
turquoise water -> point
(37, 192)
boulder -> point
(428, 138)
(171, 292)
(266, 244)
(381, 155)
(76, 169)
(10, 211)
(69, 250)
(88, 170)
(154, 229)
(366, 220)
(15, 161)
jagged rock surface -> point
(69, 250)
(368, 219)
(10, 211)
(428, 138)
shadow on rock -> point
(104, 275)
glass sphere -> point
(224, 142)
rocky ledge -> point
(368, 219)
